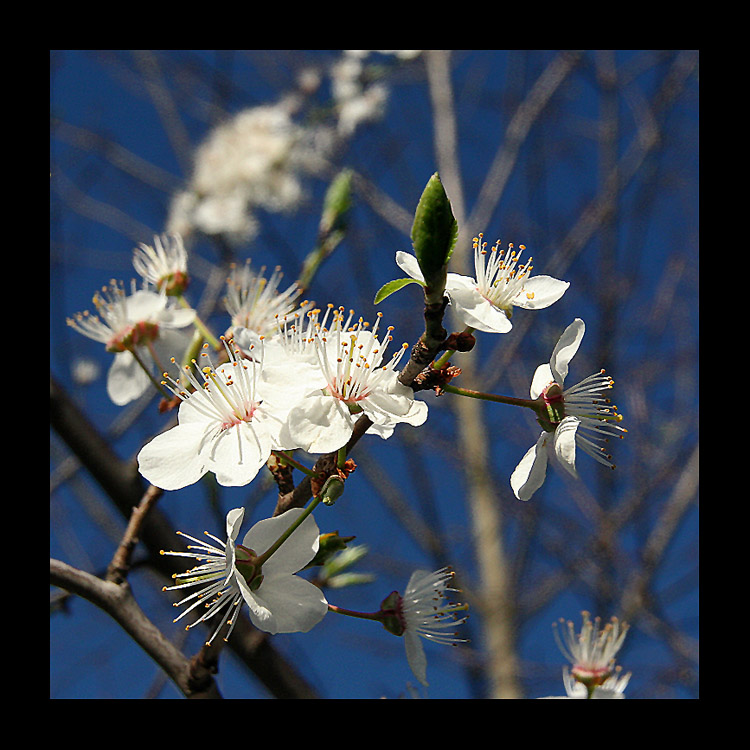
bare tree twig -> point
(118, 602)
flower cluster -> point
(288, 375)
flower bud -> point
(433, 235)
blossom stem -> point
(147, 370)
(378, 616)
(261, 559)
(448, 354)
(287, 460)
(341, 460)
(200, 325)
(491, 397)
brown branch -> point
(122, 483)
(118, 569)
(116, 599)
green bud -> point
(433, 237)
(337, 202)
(332, 490)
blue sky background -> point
(122, 129)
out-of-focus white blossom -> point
(357, 100)
(253, 160)
(255, 302)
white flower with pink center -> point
(228, 423)
(346, 378)
(141, 329)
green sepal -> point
(389, 614)
(393, 286)
(434, 234)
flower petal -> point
(565, 443)
(392, 402)
(474, 310)
(542, 378)
(260, 613)
(296, 604)
(410, 265)
(565, 349)
(295, 552)
(126, 380)
(237, 454)
(320, 424)
(539, 292)
(172, 460)
(531, 471)
(415, 656)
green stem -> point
(528, 403)
(200, 325)
(147, 370)
(286, 459)
(341, 460)
(298, 522)
(378, 616)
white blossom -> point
(278, 601)
(228, 423)
(164, 264)
(425, 612)
(501, 283)
(341, 365)
(255, 302)
(577, 417)
(143, 325)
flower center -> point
(246, 562)
(132, 336)
(553, 406)
(500, 275)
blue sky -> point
(118, 154)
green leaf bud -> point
(433, 235)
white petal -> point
(238, 453)
(565, 349)
(176, 317)
(539, 292)
(171, 460)
(295, 552)
(145, 306)
(475, 311)
(565, 443)
(392, 402)
(320, 424)
(415, 656)
(260, 613)
(542, 378)
(297, 605)
(126, 380)
(410, 265)
(531, 471)
(234, 521)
